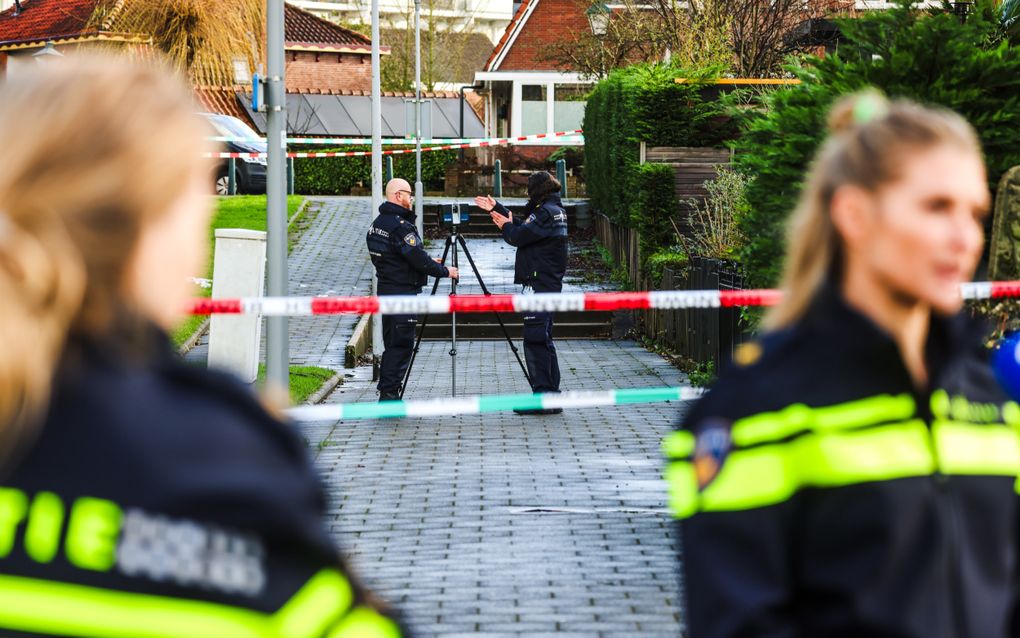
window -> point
(568, 109)
(533, 109)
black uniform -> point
(540, 235)
(821, 494)
(162, 500)
(403, 267)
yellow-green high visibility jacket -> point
(159, 500)
(820, 494)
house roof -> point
(221, 99)
(57, 20)
(68, 20)
(305, 31)
(509, 34)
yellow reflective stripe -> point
(28, 605)
(323, 599)
(752, 478)
(775, 426)
(365, 623)
(74, 610)
(678, 445)
(770, 474)
(983, 449)
(862, 456)
(682, 487)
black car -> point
(250, 172)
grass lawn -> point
(238, 211)
(304, 380)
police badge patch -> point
(711, 447)
(411, 240)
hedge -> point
(645, 103)
(929, 57)
(338, 175)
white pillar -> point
(239, 270)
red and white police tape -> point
(499, 141)
(541, 302)
(577, 136)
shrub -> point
(338, 175)
(653, 206)
(929, 57)
(643, 103)
(714, 221)
(672, 257)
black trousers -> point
(398, 341)
(540, 353)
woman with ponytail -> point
(138, 496)
(853, 473)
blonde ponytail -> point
(92, 148)
(870, 138)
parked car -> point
(250, 171)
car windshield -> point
(234, 128)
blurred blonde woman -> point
(138, 496)
(853, 474)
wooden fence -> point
(622, 244)
(692, 167)
(702, 334)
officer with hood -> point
(402, 267)
(540, 236)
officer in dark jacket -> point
(855, 473)
(402, 267)
(162, 499)
(540, 235)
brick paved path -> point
(329, 259)
(499, 525)
(505, 525)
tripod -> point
(453, 240)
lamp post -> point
(419, 195)
(598, 15)
(277, 339)
(47, 53)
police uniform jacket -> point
(821, 494)
(159, 499)
(540, 235)
(400, 260)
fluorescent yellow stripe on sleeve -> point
(31, 605)
(315, 607)
(678, 445)
(683, 489)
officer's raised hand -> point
(485, 202)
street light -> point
(598, 17)
(962, 10)
(48, 52)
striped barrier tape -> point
(576, 135)
(474, 144)
(541, 302)
(489, 404)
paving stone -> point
(433, 514)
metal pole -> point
(231, 176)
(377, 185)
(277, 351)
(497, 179)
(419, 191)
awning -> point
(351, 116)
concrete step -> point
(567, 325)
(492, 331)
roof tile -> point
(42, 20)
(304, 27)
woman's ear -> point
(853, 214)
